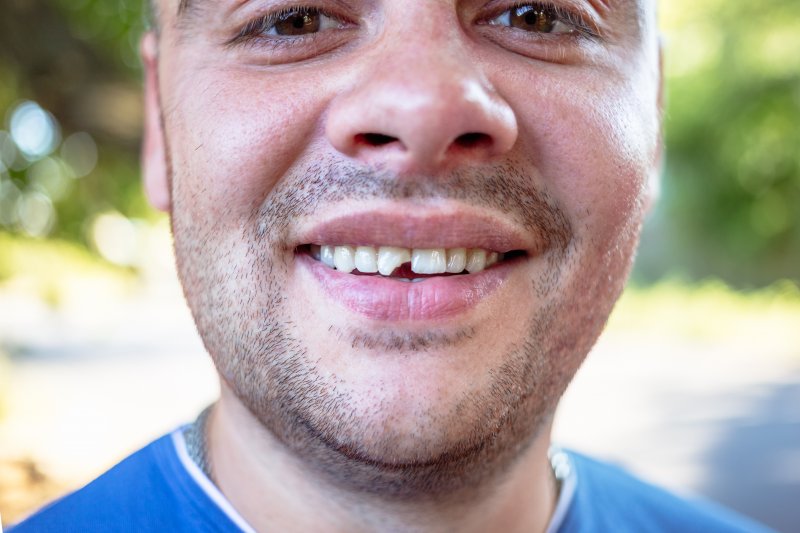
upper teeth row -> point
(385, 259)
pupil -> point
(531, 17)
(299, 21)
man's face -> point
(529, 131)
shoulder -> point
(147, 491)
(609, 499)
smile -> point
(391, 267)
(406, 264)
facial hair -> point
(240, 308)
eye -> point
(295, 22)
(298, 21)
(534, 18)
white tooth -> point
(326, 255)
(432, 261)
(491, 259)
(344, 258)
(456, 260)
(366, 259)
(391, 257)
(476, 260)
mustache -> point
(504, 188)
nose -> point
(421, 111)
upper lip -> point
(411, 227)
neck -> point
(274, 489)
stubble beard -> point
(240, 309)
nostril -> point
(374, 139)
(473, 140)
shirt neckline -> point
(560, 461)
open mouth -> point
(398, 262)
(407, 264)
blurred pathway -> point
(718, 421)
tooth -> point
(326, 255)
(456, 260)
(366, 259)
(391, 257)
(476, 260)
(314, 250)
(386, 259)
(432, 261)
(344, 258)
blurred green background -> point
(731, 189)
(719, 262)
(71, 107)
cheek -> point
(234, 135)
(591, 147)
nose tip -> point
(423, 121)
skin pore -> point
(268, 121)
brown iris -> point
(298, 23)
(534, 19)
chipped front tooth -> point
(456, 260)
(326, 255)
(386, 259)
(432, 261)
(476, 260)
(391, 257)
(366, 259)
(344, 258)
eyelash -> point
(258, 26)
(562, 14)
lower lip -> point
(379, 298)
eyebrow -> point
(187, 8)
(190, 8)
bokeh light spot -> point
(79, 151)
(36, 214)
(34, 130)
(116, 238)
(50, 175)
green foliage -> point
(732, 185)
(113, 27)
(78, 60)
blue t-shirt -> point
(159, 488)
